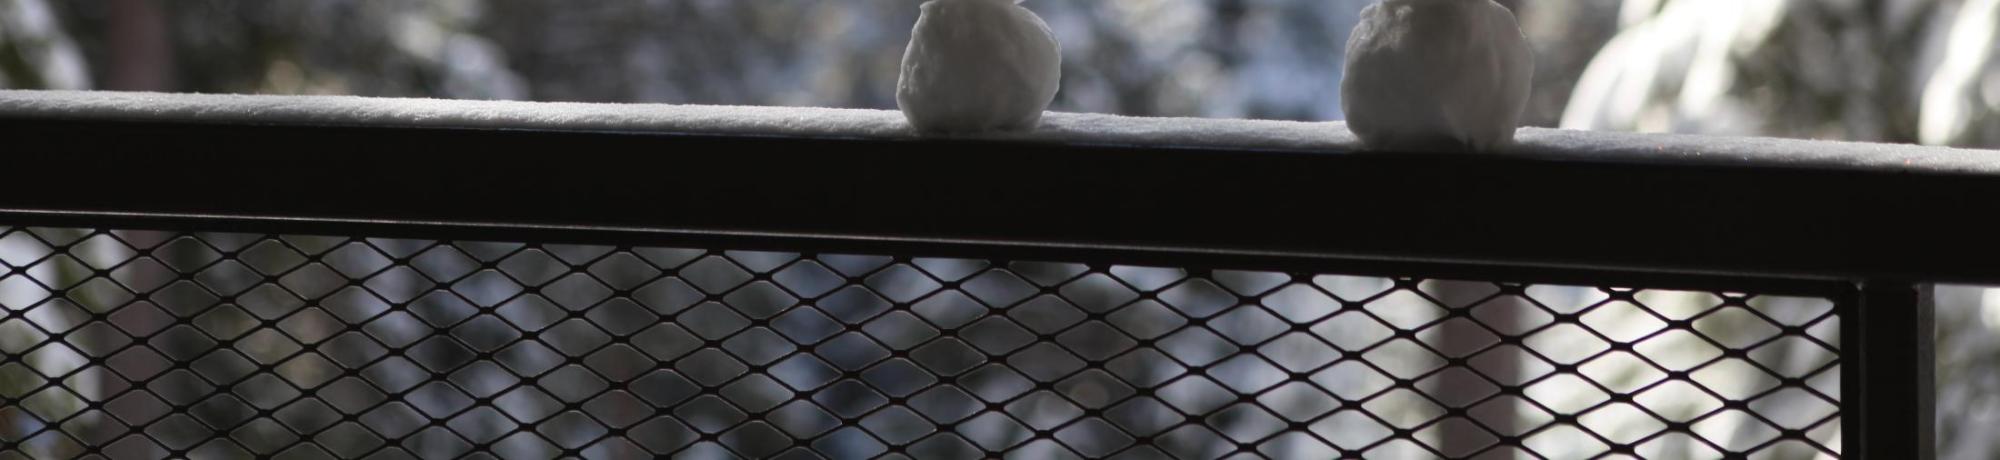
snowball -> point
(1436, 75)
(978, 65)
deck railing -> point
(183, 285)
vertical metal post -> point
(1887, 367)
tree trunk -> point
(1462, 339)
(140, 48)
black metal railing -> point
(227, 290)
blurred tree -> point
(36, 49)
(1968, 393)
(1866, 71)
(1565, 35)
(1961, 99)
(142, 53)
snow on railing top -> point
(1069, 128)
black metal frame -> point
(1873, 238)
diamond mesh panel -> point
(135, 344)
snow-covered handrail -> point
(1076, 128)
(1667, 203)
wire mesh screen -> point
(143, 344)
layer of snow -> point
(1067, 128)
(660, 118)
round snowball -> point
(1436, 75)
(978, 65)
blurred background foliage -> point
(1888, 70)
(1913, 71)
(1906, 71)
